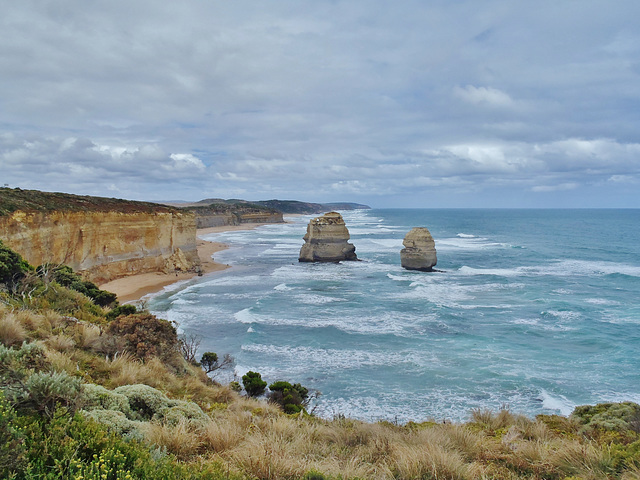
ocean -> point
(535, 310)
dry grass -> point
(220, 436)
(12, 333)
(87, 335)
(60, 342)
(178, 438)
(61, 361)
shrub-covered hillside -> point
(90, 389)
(14, 199)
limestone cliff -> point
(102, 239)
(327, 240)
(217, 215)
(420, 250)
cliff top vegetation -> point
(16, 199)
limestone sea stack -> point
(327, 240)
(420, 250)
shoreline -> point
(133, 287)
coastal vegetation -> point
(95, 390)
(16, 199)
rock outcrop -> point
(103, 239)
(420, 250)
(327, 240)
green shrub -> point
(98, 397)
(12, 266)
(117, 422)
(16, 365)
(45, 392)
(291, 398)
(121, 310)
(67, 301)
(144, 401)
(180, 410)
(66, 277)
(253, 384)
(11, 440)
(67, 447)
(614, 417)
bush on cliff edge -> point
(12, 266)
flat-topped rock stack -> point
(420, 250)
(327, 240)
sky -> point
(411, 103)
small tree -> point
(211, 363)
(189, 345)
(253, 384)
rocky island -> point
(420, 250)
(326, 240)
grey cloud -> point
(373, 100)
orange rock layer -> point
(103, 246)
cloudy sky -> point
(411, 103)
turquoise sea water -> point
(537, 310)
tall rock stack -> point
(327, 240)
(420, 250)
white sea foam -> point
(562, 268)
(329, 358)
(466, 243)
(232, 281)
(526, 321)
(465, 235)
(317, 299)
(401, 278)
(250, 330)
(282, 287)
(245, 316)
(562, 291)
(558, 403)
(601, 301)
(564, 315)
(183, 301)
(439, 294)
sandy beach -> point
(134, 287)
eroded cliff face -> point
(212, 218)
(103, 246)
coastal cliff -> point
(221, 214)
(101, 238)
